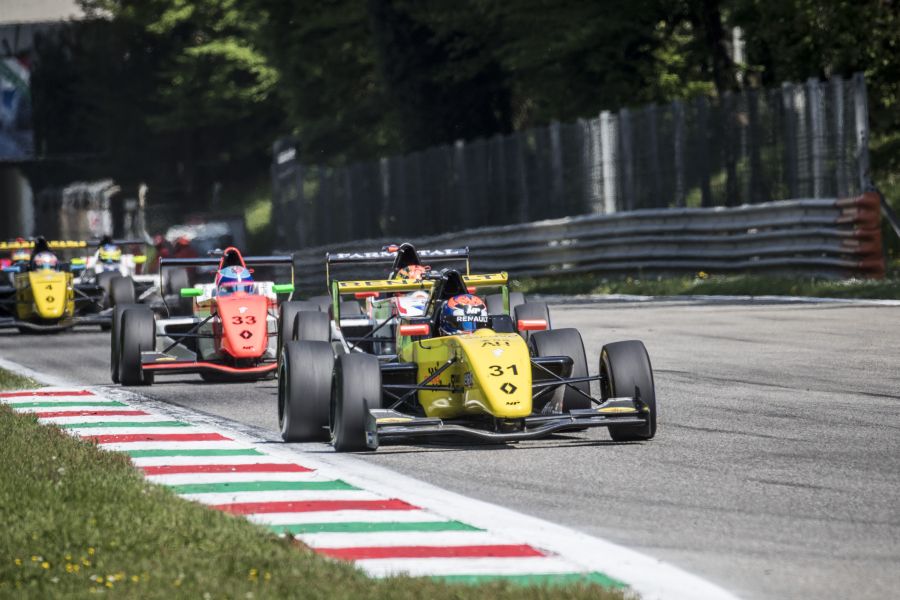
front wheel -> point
(114, 339)
(304, 391)
(138, 335)
(625, 367)
(565, 342)
(356, 390)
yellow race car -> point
(458, 371)
(41, 294)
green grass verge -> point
(742, 285)
(11, 381)
(79, 521)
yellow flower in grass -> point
(135, 578)
(90, 551)
(18, 562)
(35, 558)
(703, 275)
(45, 565)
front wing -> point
(385, 424)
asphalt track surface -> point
(775, 472)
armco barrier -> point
(832, 237)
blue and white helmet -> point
(464, 313)
(234, 279)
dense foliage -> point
(188, 93)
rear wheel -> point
(494, 303)
(114, 339)
(104, 280)
(176, 281)
(138, 335)
(356, 390)
(323, 303)
(565, 342)
(531, 311)
(121, 291)
(287, 314)
(625, 366)
(351, 308)
(304, 391)
(312, 326)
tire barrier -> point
(826, 237)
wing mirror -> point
(283, 288)
(532, 324)
(418, 329)
(191, 292)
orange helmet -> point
(413, 272)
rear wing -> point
(54, 244)
(373, 287)
(388, 253)
(250, 261)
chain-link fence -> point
(799, 141)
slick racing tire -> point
(121, 291)
(312, 326)
(287, 314)
(104, 280)
(356, 390)
(323, 303)
(624, 367)
(304, 391)
(176, 280)
(138, 335)
(351, 308)
(115, 334)
(565, 342)
(530, 311)
(495, 302)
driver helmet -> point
(235, 279)
(20, 255)
(412, 272)
(110, 253)
(463, 314)
(45, 261)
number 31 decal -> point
(248, 320)
(497, 370)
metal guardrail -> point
(832, 237)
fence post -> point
(678, 152)
(609, 161)
(650, 113)
(861, 108)
(817, 135)
(790, 140)
(703, 150)
(627, 158)
(556, 167)
(840, 137)
(522, 179)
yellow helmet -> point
(110, 253)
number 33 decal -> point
(248, 320)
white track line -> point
(401, 538)
(281, 496)
(382, 567)
(346, 516)
(193, 478)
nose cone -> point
(244, 330)
(48, 289)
